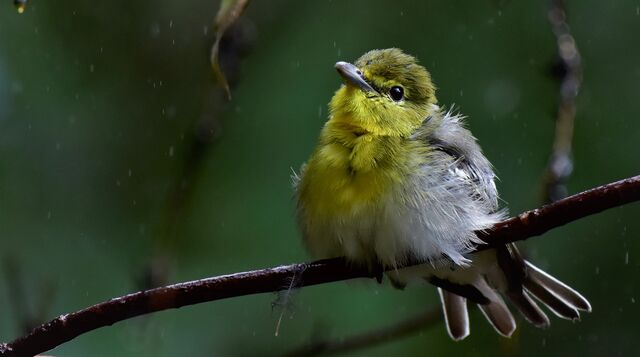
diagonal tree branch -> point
(528, 224)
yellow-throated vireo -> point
(396, 179)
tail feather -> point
(455, 314)
(515, 272)
(529, 309)
(555, 304)
(498, 275)
(558, 288)
(498, 314)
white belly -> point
(424, 218)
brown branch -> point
(372, 338)
(569, 72)
(525, 225)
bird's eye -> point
(396, 93)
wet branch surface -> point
(528, 224)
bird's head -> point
(386, 92)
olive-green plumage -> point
(392, 67)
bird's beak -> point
(352, 75)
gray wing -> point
(469, 164)
(454, 192)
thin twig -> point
(372, 338)
(569, 73)
(523, 226)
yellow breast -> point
(352, 170)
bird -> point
(397, 179)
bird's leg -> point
(378, 271)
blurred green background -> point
(122, 166)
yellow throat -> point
(364, 149)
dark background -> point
(103, 190)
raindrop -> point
(501, 96)
(21, 5)
(154, 30)
(171, 150)
(626, 258)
